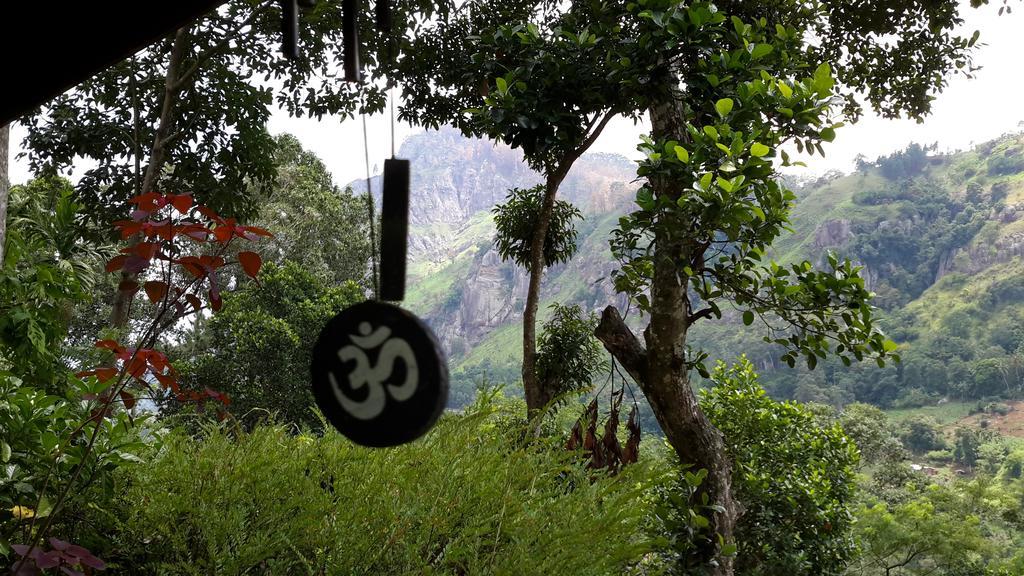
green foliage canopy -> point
(315, 224)
(257, 349)
(568, 355)
(516, 219)
(795, 478)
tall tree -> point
(549, 85)
(723, 94)
(316, 224)
(726, 88)
(737, 84)
(188, 114)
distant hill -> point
(940, 236)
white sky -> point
(968, 111)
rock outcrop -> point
(454, 183)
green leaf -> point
(785, 90)
(758, 149)
(828, 134)
(724, 106)
(823, 81)
(712, 132)
(682, 154)
(502, 85)
(760, 51)
(5, 451)
(889, 345)
(705, 181)
(748, 317)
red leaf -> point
(216, 302)
(144, 250)
(163, 229)
(128, 228)
(101, 374)
(46, 560)
(223, 233)
(106, 374)
(211, 262)
(116, 263)
(158, 360)
(128, 399)
(135, 264)
(181, 202)
(58, 544)
(250, 262)
(193, 265)
(21, 549)
(194, 301)
(167, 381)
(193, 231)
(258, 231)
(210, 214)
(108, 344)
(137, 366)
(156, 290)
(148, 199)
(128, 286)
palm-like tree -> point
(52, 261)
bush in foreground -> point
(463, 500)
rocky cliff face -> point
(832, 233)
(985, 251)
(474, 301)
(454, 183)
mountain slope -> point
(940, 236)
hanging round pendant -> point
(379, 375)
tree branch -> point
(620, 341)
(705, 313)
(594, 132)
(219, 46)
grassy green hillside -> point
(941, 239)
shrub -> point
(463, 500)
(794, 477)
(568, 355)
(258, 348)
(42, 439)
(942, 456)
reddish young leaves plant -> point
(180, 247)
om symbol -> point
(374, 377)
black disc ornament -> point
(379, 375)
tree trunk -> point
(661, 369)
(661, 373)
(5, 186)
(157, 156)
(537, 394)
